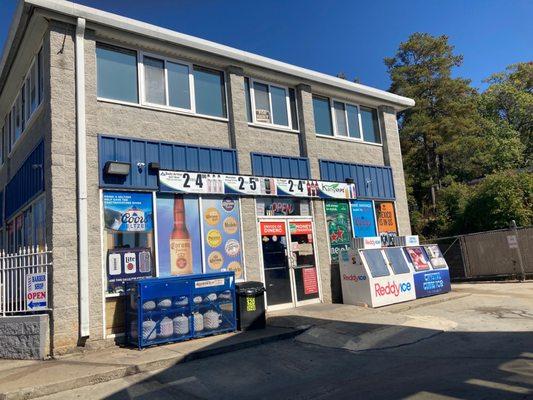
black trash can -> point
(250, 306)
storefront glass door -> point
(289, 262)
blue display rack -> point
(164, 310)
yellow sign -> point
(214, 238)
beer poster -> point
(222, 242)
(178, 235)
(339, 230)
(363, 221)
(128, 211)
(386, 217)
(128, 223)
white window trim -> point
(336, 135)
(287, 105)
(141, 103)
(142, 91)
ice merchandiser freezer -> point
(430, 270)
(376, 277)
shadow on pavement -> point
(349, 360)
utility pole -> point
(517, 247)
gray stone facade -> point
(24, 337)
(57, 124)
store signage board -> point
(36, 292)
(432, 283)
(202, 183)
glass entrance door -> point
(289, 262)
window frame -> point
(336, 135)
(27, 115)
(252, 81)
(166, 106)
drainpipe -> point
(81, 163)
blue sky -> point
(342, 36)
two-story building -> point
(131, 150)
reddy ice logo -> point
(134, 220)
(392, 289)
(354, 278)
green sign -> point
(339, 227)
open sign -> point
(37, 291)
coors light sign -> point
(180, 242)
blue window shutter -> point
(280, 166)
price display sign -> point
(293, 187)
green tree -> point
(498, 199)
(509, 101)
(445, 110)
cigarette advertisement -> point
(178, 231)
(221, 239)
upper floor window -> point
(209, 92)
(116, 71)
(271, 104)
(339, 119)
(322, 113)
(370, 125)
(163, 82)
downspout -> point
(81, 164)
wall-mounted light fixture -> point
(349, 181)
(117, 168)
(154, 166)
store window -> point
(199, 235)
(129, 238)
(322, 114)
(209, 92)
(282, 206)
(370, 125)
(339, 227)
(116, 73)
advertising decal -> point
(432, 282)
(128, 218)
(363, 221)
(310, 280)
(339, 230)
(418, 258)
(386, 218)
(435, 256)
(201, 183)
(128, 211)
(222, 235)
(178, 232)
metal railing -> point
(14, 269)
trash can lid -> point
(250, 288)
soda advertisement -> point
(339, 229)
(222, 240)
(386, 218)
(128, 211)
(178, 230)
(363, 221)
(432, 282)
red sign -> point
(272, 228)
(301, 228)
(310, 280)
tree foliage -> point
(455, 135)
